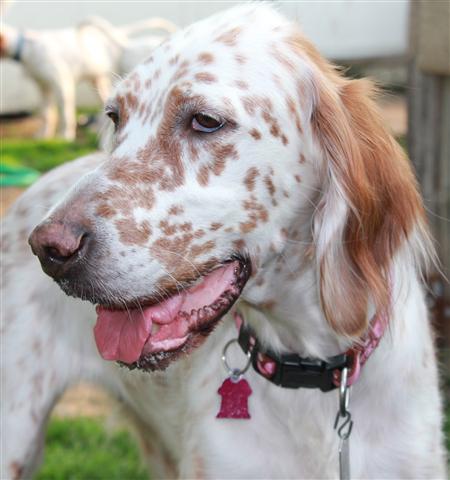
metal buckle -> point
(293, 371)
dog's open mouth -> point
(151, 337)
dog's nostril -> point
(54, 254)
(63, 252)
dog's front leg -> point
(65, 101)
(48, 113)
(44, 349)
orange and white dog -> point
(245, 174)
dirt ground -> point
(87, 399)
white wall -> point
(342, 29)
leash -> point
(293, 371)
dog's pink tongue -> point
(121, 335)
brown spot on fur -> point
(241, 84)
(176, 210)
(298, 179)
(130, 233)
(227, 151)
(293, 111)
(215, 226)
(170, 251)
(203, 175)
(275, 130)
(193, 151)
(220, 154)
(199, 233)
(124, 114)
(167, 228)
(186, 227)
(105, 210)
(270, 185)
(229, 38)
(206, 58)
(116, 200)
(197, 250)
(239, 244)
(257, 212)
(131, 100)
(205, 77)
(241, 59)
(284, 60)
(218, 166)
(250, 178)
(247, 227)
(249, 104)
(255, 134)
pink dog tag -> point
(234, 395)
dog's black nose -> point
(59, 246)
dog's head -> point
(232, 139)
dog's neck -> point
(285, 310)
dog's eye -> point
(206, 123)
(113, 115)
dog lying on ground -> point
(245, 175)
(59, 59)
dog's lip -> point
(182, 320)
(170, 291)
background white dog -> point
(94, 51)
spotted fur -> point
(304, 180)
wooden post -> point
(429, 136)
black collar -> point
(291, 370)
(19, 49)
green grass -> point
(44, 155)
(80, 448)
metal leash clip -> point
(343, 425)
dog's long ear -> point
(370, 206)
